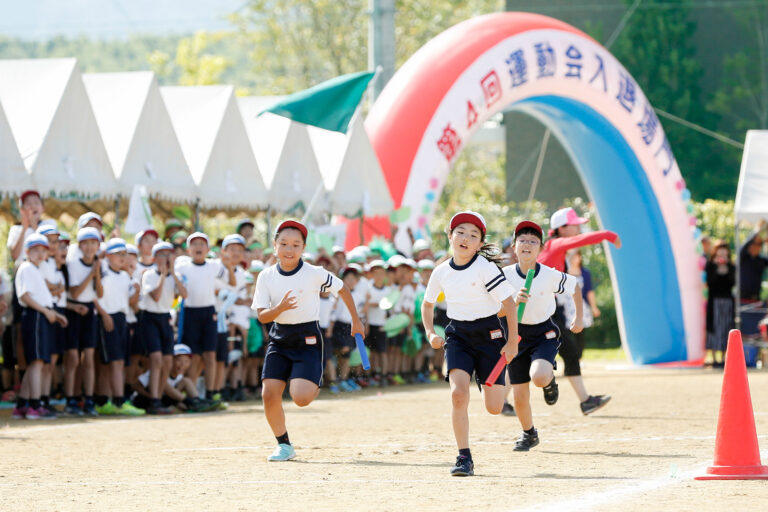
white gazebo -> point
(351, 171)
(53, 124)
(138, 135)
(14, 177)
(213, 138)
(285, 156)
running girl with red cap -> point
(475, 291)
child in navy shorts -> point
(37, 319)
(288, 294)
(540, 337)
(83, 332)
(475, 290)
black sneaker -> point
(239, 395)
(464, 466)
(89, 409)
(508, 410)
(551, 393)
(594, 403)
(527, 441)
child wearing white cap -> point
(237, 320)
(376, 337)
(203, 277)
(113, 342)
(37, 319)
(257, 335)
(83, 332)
(159, 287)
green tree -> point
(656, 48)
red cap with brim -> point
(468, 217)
(531, 225)
(292, 224)
(28, 193)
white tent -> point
(752, 193)
(355, 181)
(285, 156)
(216, 146)
(138, 134)
(14, 177)
(54, 127)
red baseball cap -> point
(470, 217)
(28, 193)
(292, 224)
(529, 224)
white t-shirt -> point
(569, 306)
(472, 291)
(376, 315)
(546, 283)
(340, 312)
(29, 279)
(117, 291)
(240, 287)
(326, 307)
(13, 236)
(202, 281)
(149, 283)
(305, 281)
(173, 381)
(55, 277)
(78, 270)
(131, 316)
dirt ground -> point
(392, 450)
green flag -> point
(329, 105)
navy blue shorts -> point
(475, 346)
(156, 332)
(83, 330)
(294, 352)
(59, 340)
(114, 344)
(200, 329)
(135, 347)
(539, 341)
(222, 347)
(376, 339)
(342, 337)
(36, 335)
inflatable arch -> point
(554, 72)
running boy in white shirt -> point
(475, 290)
(203, 278)
(540, 337)
(37, 319)
(83, 331)
(288, 294)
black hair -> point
(489, 251)
(529, 231)
(277, 233)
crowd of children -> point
(101, 326)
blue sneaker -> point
(344, 385)
(353, 385)
(333, 388)
(282, 453)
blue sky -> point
(109, 19)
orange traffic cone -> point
(737, 456)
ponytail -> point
(492, 253)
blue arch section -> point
(652, 311)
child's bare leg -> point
(89, 371)
(155, 373)
(272, 396)
(71, 362)
(116, 377)
(494, 398)
(459, 381)
(541, 372)
(578, 386)
(522, 396)
(303, 392)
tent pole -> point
(269, 224)
(312, 203)
(362, 238)
(117, 211)
(197, 215)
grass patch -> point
(604, 354)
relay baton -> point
(520, 310)
(363, 352)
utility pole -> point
(381, 42)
